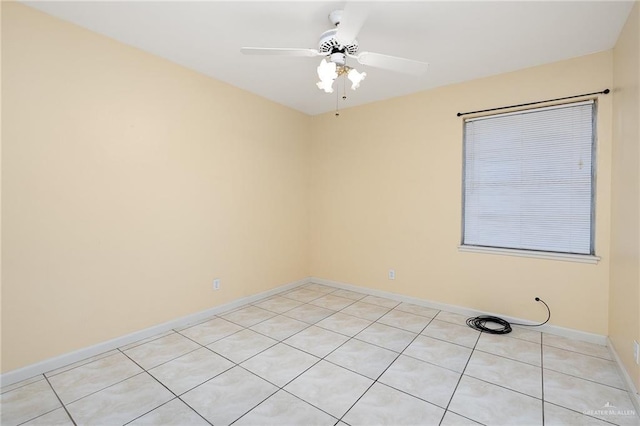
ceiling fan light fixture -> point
(327, 73)
(355, 77)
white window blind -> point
(529, 180)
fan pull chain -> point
(344, 93)
(337, 98)
(344, 87)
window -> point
(529, 180)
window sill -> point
(566, 257)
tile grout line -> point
(169, 360)
(162, 405)
(254, 324)
(354, 337)
(507, 388)
(499, 386)
(461, 345)
(588, 380)
(573, 351)
(461, 376)
(276, 340)
(279, 388)
(80, 363)
(235, 364)
(384, 371)
(542, 374)
(190, 389)
(101, 389)
(558, 405)
(320, 359)
(145, 341)
(144, 370)
(163, 385)
(116, 352)
(263, 350)
(263, 333)
(372, 321)
(62, 403)
(581, 414)
(22, 383)
(250, 329)
(282, 388)
(506, 357)
(341, 419)
(417, 359)
(542, 345)
(251, 372)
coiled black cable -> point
(479, 322)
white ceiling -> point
(461, 40)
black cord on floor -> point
(479, 322)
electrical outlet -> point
(216, 284)
(636, 352)
(392, 274)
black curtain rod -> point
(604, 92)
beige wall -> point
(386, 184)
(129, 183)
(624, 316)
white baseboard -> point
(631, 387)
(547, 328)
(50, 364)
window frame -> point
(591, 257)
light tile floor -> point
(317, 355)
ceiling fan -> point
(340, 43)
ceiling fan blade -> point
(353, 17)
(280, 51)
(392, 63)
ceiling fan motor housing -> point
(329, 44)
